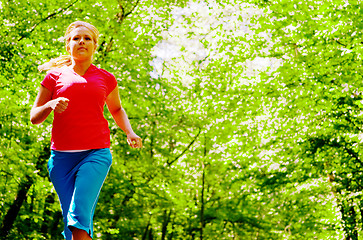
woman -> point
(77, 91)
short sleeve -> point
(111, 83)
(49, 81)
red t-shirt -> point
(82, 125)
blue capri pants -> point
(78, 178)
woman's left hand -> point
(134, 141)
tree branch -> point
(186, 149)
(121, 16)
(45, 19)
(337, 41)
(132, 9)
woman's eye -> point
(87, 38)
(76, 38)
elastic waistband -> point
(72, 151)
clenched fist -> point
(59, 105)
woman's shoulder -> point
(55, 72)
(104, 72)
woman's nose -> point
(81, 40)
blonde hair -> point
(66, 60)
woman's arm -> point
(44, 105)
(119, 115)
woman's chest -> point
(87, 88)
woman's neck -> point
(80, 67)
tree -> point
(245, 110)
(313, 99)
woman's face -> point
(81, 45)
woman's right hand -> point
(44, 105)
(59, 105)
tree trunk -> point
(147, 230)
(349, 219)
(202, 223)
(14, 209)
(202, 207)
(165, 224)
(51, 219)
(171, 235)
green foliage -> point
(249, 114)
(314, 100)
